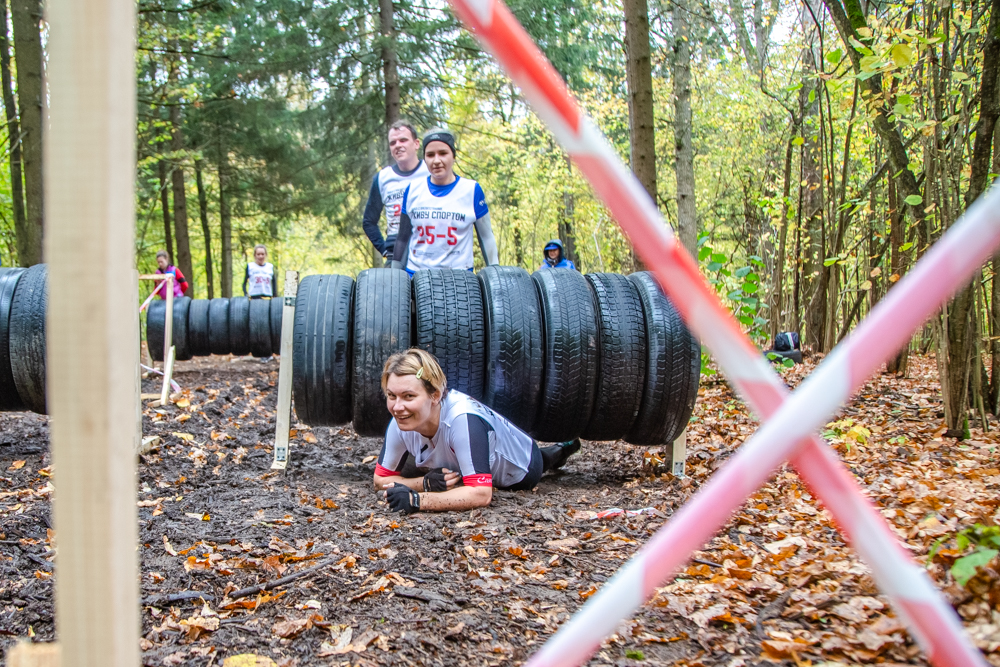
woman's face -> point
(408, 401)
(440, 162)
(161, 262)
(260, 256)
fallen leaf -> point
(248, 660)
(368, 459)
(293, 628)
(186, 437)
(200, 625)
(17, 465)
(166, 545)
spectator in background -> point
(552, 257)
(389, 184)
(259, 281)
(164, 266)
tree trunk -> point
(897, 265)
(687, 216)
(180, 202)
(168, 230)
(390, 70)
(225, 225)
(989, 110)
(25, 18)
(10, 108)
(639, 76)
(813, 279)
(777, 279)
(205, 231)
(567, 219)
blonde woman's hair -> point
(420, 363)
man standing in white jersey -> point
(440, 212)
(389, 184)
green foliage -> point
(985, 543)
(633, 654)
(738, 287)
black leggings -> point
(530, 480)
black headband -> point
(443, 136)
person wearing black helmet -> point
(552, 257)
(439, 214)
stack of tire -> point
(23, 300)
(202, 327)
(562, 355)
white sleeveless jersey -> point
(260, 279)
(442, 236)
(391, 186)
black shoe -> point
(555, 456)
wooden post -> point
(25, 654)
(92, 328)
(679, 454)
(168, 320)
(283, 417)
(168, 373)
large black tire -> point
(513, 326)
(198, 333)
(260, 328)
(621, 369)
(27, 337)
(449, 325)
(673, 370)
(277, 305)
(321, 350)
(182, 348)
(239, 326)
(9, 398)
(155, 323)
(381, 326)
(218, 326)
(570, 334)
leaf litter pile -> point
(241, 565)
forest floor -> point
(489, 586)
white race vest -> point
(442, 226)
(260, 279)
(391, 187)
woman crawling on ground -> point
(465, 448)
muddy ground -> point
(488, 586)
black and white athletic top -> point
(471, 439)
(438, 223)
(386, 192)
(259, 280)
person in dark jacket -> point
(552, 257)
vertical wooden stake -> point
(679, 454)
(25, 654)
(283, 417)
(168, 373)
(168, 320)
(92, 327)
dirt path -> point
(488, 586)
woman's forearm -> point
(459, 498)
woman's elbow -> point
(482, 496)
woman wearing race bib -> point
(440, 212)
(466, 448)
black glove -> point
(434, 481)
(403, 499)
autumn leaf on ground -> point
(16, 465)
(292, 628)
(248, 660)
(199, 625)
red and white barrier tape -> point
(792, 431)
